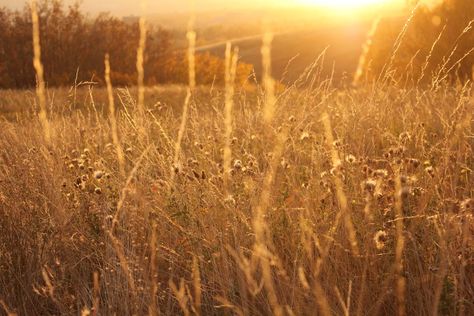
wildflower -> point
(417, 191)
(230, 200)
(430, 170)
(284, 164)
(369, 185)
(414, 162)
(404, 137)
(237, 164)
(467, 205)
(304, 136)
(350, 159)
(381, 173)
(380, 238)
(193, 162)
(176, 169)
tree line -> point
(437, 42)
(74, 44)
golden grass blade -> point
(191, 36)
(267, 79)
(112, 118)
(140, 61)
(40, 85)
(400, 246)
(230, 73)
(341, 197)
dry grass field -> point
(394, 170)
(305, 199)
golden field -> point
(245, 197)
(329, 215)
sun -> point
(343, 4)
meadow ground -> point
(365, 211)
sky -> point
(132, 7)
(128, 7)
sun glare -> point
(343, 4)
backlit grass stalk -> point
(191, 36)
(341, 197)
(152, 307)
(363, 60)
(230, 73)
(96, 301)
(398, 43)
(113, 121)
(260, 226)
(400, 246)
(197, 286)
(443, 67)
(427, 60)
(267, 79)
(40, 85)
(7, 310)
(140, 66)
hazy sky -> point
(126, 7)
(130, 7)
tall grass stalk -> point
(400, 245)
(345, 211)
(267, 79)
(230, 73)
(140, 62)
(112, 118)
(38, 65)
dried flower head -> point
(404, 137)
(381, 173)
(305, 136)
(380, 239)
(350, 159)
(98, 174)
(370, 185)
(238, 164)
(430, 170)
(467, 205)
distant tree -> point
(75, 44)
(451, 57)
(72, 42)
